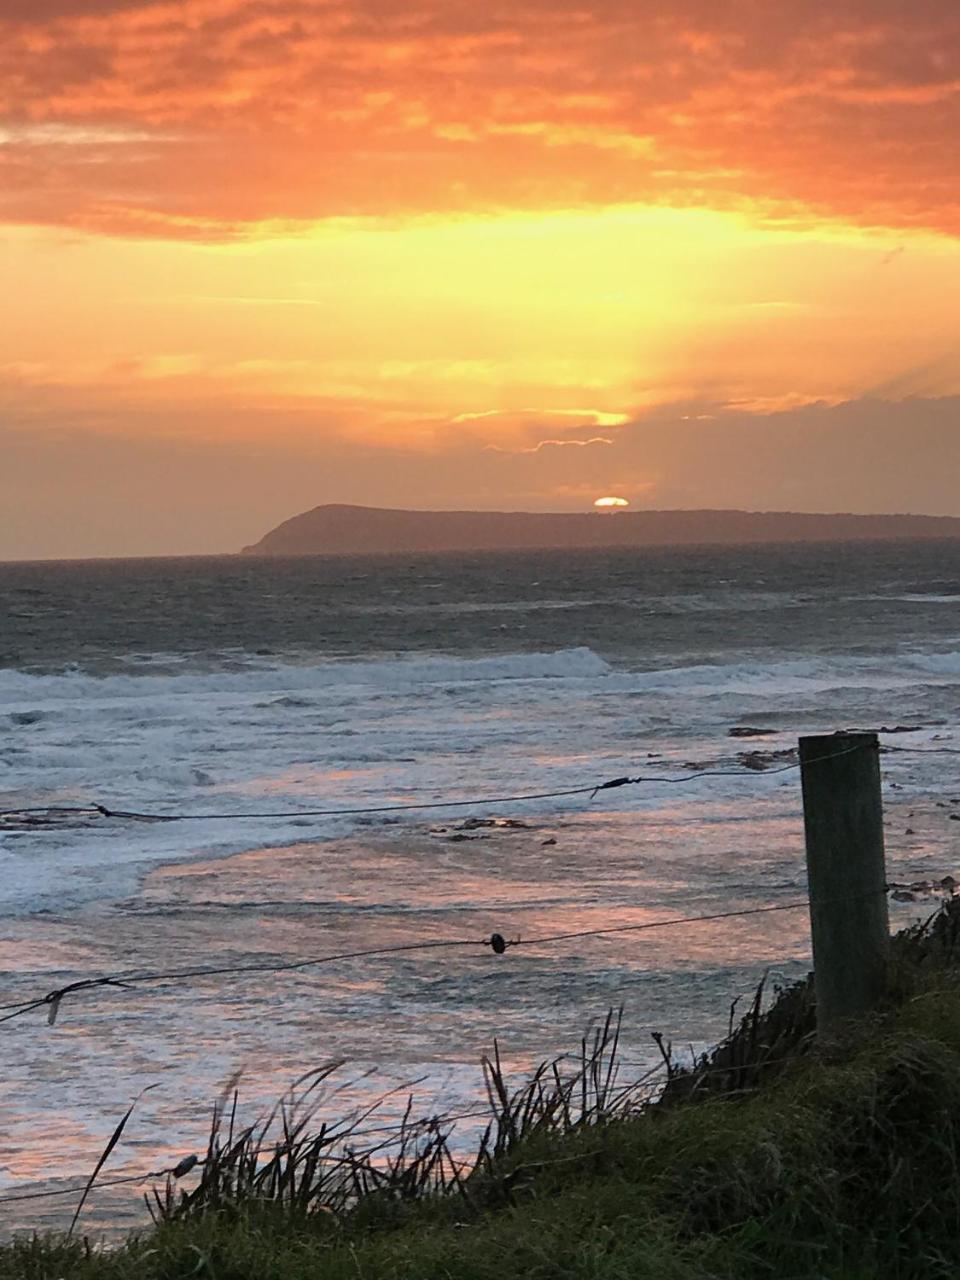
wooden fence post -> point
(846, 872)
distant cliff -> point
(348, 530)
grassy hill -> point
(341, 529)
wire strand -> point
(656, 924)
(495, 942)
(66, 1191)
(591, 789)
(53, 998)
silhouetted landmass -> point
(338, 529)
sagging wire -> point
(497, 943)
(590, 790)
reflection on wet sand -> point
(414, 1017)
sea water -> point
(212, 688)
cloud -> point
(597, 417)
(552, 444)
(154, 491)
(917, 380)
(205, 122)
(862, 455)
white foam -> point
(285, 736)
(281, 737)
(810, 676)
(928, 598)
(16, 686)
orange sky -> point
(257, 256)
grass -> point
(771, 1157)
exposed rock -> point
(760, 760)
(473, 824)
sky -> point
(256, 255)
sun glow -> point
(376, 254)
(617, 310)
(611, 504)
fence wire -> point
(497, 943)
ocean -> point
(221, 686)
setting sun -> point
(339, 257)
(327, 322)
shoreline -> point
(308, 898)
(724, 1171)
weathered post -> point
(846, 872)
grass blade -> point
(105, 1156)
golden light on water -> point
(610, 504)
